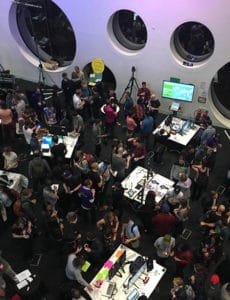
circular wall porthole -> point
(46, 31)
(108, 79)
(129, 29)
(220, 90)
(193, 41)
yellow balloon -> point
(98, 65)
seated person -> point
(50, 115)
(130, 233)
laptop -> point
(107, 288)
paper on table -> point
(108, 264)
(22, 284)
(23, 275)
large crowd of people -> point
(77, 205)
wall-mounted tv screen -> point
(177, 91)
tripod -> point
(131, 83)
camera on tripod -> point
(133, 69)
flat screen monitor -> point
(177, 91)
(47, 140)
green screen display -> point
(178, 91)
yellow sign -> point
(98, 66)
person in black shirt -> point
(153, 106)
(58, 151)
(71, 184)
(66, 85)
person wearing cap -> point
(164, 246)
(213, 288)
(163, 223)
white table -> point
(122, 292)
(177, 123)
(135, 181)
(69, 141)
(19, 181)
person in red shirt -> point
(110, 118)
(144, 92)
(131, 125)
(163, 223)
(182, 257)
(138, 153)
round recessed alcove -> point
(128, 30)
(193, 42)
(220, 90)
(42, 29)
(108, 79)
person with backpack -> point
(38, 170)
(130, 233)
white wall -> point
(154, 63)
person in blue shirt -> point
(130, 233)
(146, 127)
(128, 105)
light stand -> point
(131, 83)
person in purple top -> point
(87, 197)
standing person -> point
(213, 288)
(154, 106)
(6, 269)
(120, 164)
(98, 135)
(180, 166)
(200, 180)
(138, 154)
(130, 233)
(78, 103)
(10, 159)
(76, 77)
(182, 257)
(198, 279)
(131, 125)
(87, 197)
(128, 105)
(7, 124)
(164, 246)
(163, 222)
(38, 170)
(144, 92)
(146, 128)
(73, 268)
(58, 151)
(37, 100)
(66, 86)
(110, 119)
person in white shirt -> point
(10, 159)
(28, 130)
(78, 104)
(73, 269)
